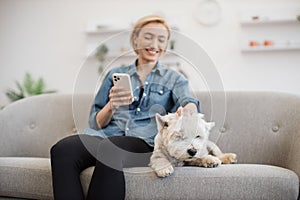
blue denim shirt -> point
(164, 91)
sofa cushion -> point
(29, 178)
(25, 177)
(240, 181)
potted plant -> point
(30, 87)
(100, 54)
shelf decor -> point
(100, 54)
(266, 30)
(266, 19)
(269, 45)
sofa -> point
(262, 128)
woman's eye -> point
(148, 37)
(161, 40)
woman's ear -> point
(134, 41)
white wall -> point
(47, 38)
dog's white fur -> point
(182, 139)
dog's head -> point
(183, 135)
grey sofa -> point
(263, 128)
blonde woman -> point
(122, 127)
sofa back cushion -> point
(260, 127)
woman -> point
(122, 127)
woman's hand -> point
(190, 108)
(119, 96)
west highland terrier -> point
(182, 139)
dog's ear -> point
(209, 125)
(200, 115)
(160, 122)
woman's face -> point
(151, 42)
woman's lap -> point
(73, 154)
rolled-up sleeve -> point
(181, 93)
(101, 99)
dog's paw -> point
(164, 172)
(228, 158)
(211, 161)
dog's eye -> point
(177, 136)
(198, 136)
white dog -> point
(182, 139)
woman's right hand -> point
(119, 96)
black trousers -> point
(71, 155)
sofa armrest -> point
(294, 155)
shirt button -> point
(144, 94)
(127, 129)
(146, 83)
(138, 109)
(161, 92)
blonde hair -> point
(144, 21)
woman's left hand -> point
(191, 108)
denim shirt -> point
(164, 91)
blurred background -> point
(252, 44)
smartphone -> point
(122, 80)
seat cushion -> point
(31, 178)
(25, 178)
(239, 181)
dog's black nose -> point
(192, 152)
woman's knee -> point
(64, 145)
(76, 146)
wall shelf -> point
(106, 31)
(126, 54)
(278, 47)
(261, 19)
(113, 26)
(107, 26)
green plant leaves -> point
(100, 55)
(30, 87)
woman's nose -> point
(154, 44)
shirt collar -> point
(157, 69)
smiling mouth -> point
(152, 51)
